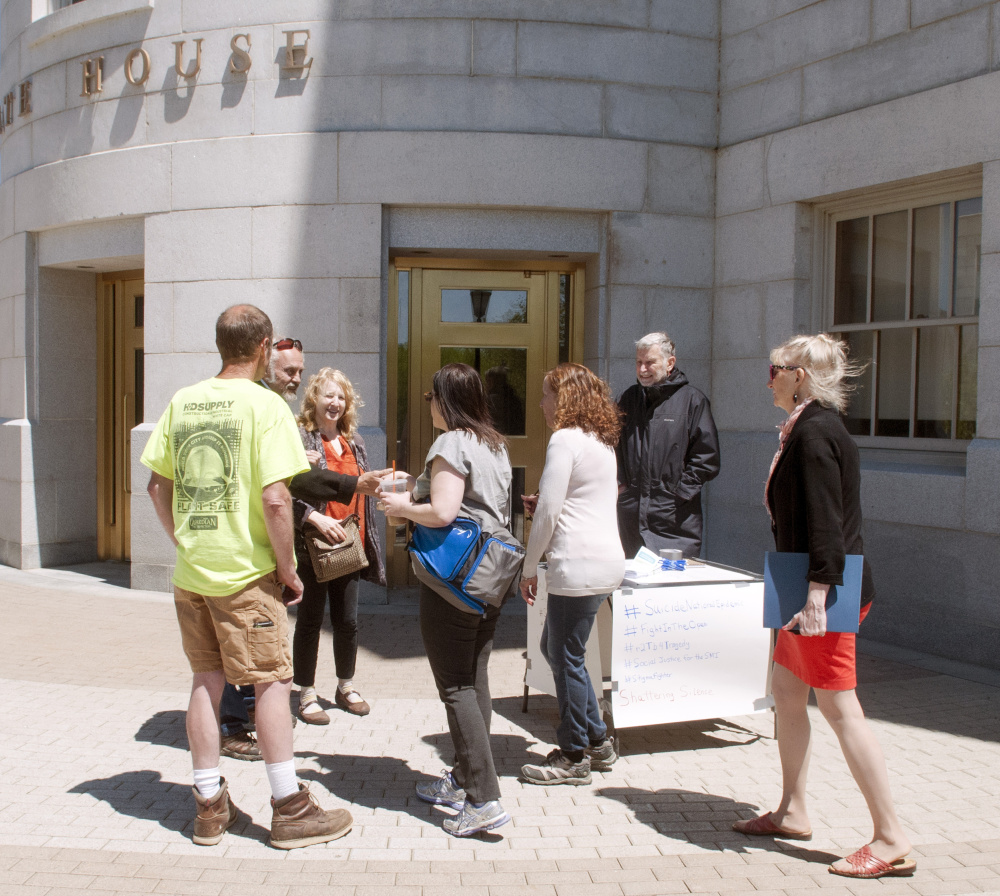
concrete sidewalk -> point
(95, 778)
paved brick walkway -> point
(95, 777)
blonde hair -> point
(347, 425)
(825, 362)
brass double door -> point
(510, 325)
(120, 364)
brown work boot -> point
(297, 820)
(215, 816)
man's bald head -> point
(239, 332)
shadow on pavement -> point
(398, 637)
(143, 794)
(704, 820)
(541, 719)
(164, 729)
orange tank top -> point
(347, 464)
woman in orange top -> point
(328, 425)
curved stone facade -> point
(685, 153)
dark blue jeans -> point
(568, 621)
(233, 716)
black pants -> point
(342, 595)
(458, 646)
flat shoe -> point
(866, 865)
(356, 709)
(319, 717)
(764, 827)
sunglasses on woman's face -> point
(429, 396)
(283, 345)
(773, 368)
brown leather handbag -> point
(331, 561)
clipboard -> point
(786, 586)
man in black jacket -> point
(669, 449)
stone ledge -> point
(63, 20)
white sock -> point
(208, 781)
(345, 685)
(307, 696)
(281, 777)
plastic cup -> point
(392, 485)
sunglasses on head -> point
(282, 345)
(775, 367)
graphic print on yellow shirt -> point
(221, 442)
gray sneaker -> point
(442, 791)
(557, 768)
(471, 820)
(602, 758)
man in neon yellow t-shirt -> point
(221, 457)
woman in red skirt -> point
(813, 496)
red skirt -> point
(827, 662)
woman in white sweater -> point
(576, 525)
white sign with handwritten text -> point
(686, 652)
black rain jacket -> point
(669, 449)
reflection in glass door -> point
(510, 325)
(120, 365)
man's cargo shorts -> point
(245, 634)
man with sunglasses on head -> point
(669, 449)
(284, 373)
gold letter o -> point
(137, 53)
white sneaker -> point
(472, 820)
(442, 791)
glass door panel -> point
(499, 323)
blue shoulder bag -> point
(471, 564)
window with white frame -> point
(905, 297)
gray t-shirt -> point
(487, 473)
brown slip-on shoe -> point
(355, 709)
(215, 816)
(298, 820)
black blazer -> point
(815, 497)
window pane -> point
(931, 248)
(967, 383)
(851, 290)
(484, 306)
(505, 375)
(968, 230)
(894, 356)
(937, 360)
(140, 388)
(859, 412)
(889, 267)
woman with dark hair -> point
(576, 505)
(813, 495)
(328, 426)
(467, 467)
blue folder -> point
(786, 586)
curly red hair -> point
(583, 401)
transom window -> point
(906, 300)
